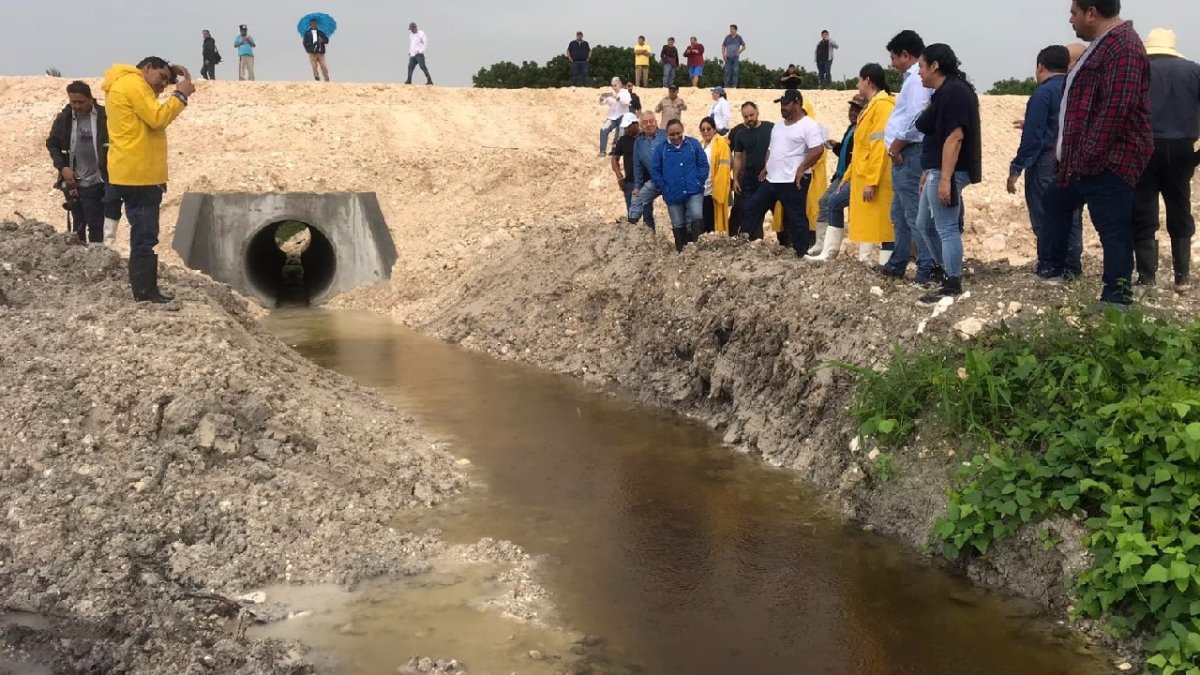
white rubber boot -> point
(831, 245)
(884, 257)
(822, 229)
(110, 231)
(865, 252)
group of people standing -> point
(1090, 138)
(316, 45)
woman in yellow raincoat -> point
(717, 187)
(870, 172)
(816, 189)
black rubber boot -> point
(1181, 260)
(696, 229)
(951, 287)
(143, 279)
(1145, 255)
(682, 238)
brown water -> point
(684, 556)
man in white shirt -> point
(903, 142)
(416, 53)
(797, 143)
(617, 101)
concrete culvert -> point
(289, 248)
(290, 261)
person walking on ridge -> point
(417, 44)
(209, 55)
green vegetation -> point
(608, 61)
(1097, 418)
(53, 72)
(1013, 87)
(289, 229)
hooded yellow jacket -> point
(720, 171)
(137, 128)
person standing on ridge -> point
(1175, 114)
(694, 53)
(1035, 155)
(732, 48)
(670, 62)
(1105, 140)
(417, 43)
(579, 52)
(314, 44)
(245, 45)
(137, 156)
(824, 57)
(641, 62)
(210, 57)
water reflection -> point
(688, 558)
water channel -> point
(685, 557)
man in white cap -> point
(617, 101)
(1175, 116)
(622, 157)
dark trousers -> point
(1170, 175)
(1110, 202)
(795, 213)
(710, 215)
(824, 77)
(579, 73)
(87, 214)
(142, 205)
(413, 62)
(1039, 178)
(208, 70)
(738, 222)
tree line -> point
(608, 61)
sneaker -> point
(1056, 280)
(887, 272)
(950, 288)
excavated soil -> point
(159, 462)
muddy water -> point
(685, 557)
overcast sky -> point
(994, 40)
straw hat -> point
(1161, 41)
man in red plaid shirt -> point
(1104, 144)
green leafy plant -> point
(53, 72)
(1098, 418)
(1013, 87)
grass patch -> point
(1098, 417)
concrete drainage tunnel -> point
(286, 249)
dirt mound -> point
(158, 461)
(741, 335)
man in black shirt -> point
(578, 53)
(635, 103)
(622, 157)
(825, 60)
(750, 147)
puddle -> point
(440, 616)
(685, 557)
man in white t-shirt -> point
(797, 143)
(617, 101)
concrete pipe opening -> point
(291, 262)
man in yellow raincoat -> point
(137, 156)
(871, 170)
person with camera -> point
(137, 156)
(78, 145)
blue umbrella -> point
(325, 23)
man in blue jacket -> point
(680, 169)
(1035, 156)
(644, 189)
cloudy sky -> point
(83, 37)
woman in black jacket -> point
(211, 57)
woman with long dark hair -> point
(870, 174)
(951, 158)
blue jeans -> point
(939, 224)
(142, 204)
(579, 73)
(731, 72)
(795, 212)
(1038, 179)
(609, 127)
(688, 214)
(834, 205)
(413, 62)
(643, 203)
(668, 75)
(1110, 201)
(906, 186)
